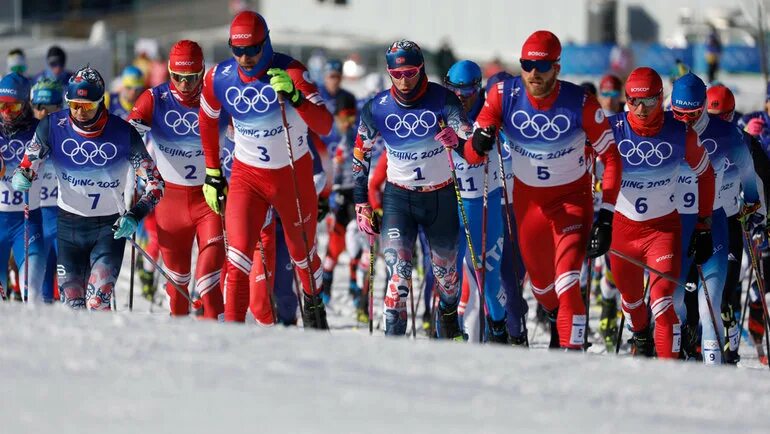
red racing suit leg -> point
(261, 280)
(181, 216)
(252, 190)
(554, 224)
(657, 243)
(153, 245)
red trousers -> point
(262, 281)
(183, 216)
(553, 227)
(151, 227)
(657, 243)
(251, 192)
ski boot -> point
(449, 324)
(518, 341)
(315, 313)
(642, 343)
(496, 331)
(732, 335)
(326, 286)
(690, 343)
(551, 317)
(608, 322)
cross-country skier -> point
(647, 227)
(91, 151)
(17, 126)
(417, 120)
(170, 111)
(47, 97)
(547, 122)
(132, 86)
(247, 87)
(464, 79)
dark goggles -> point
(464, 91)
(250, 51)
(540, 65)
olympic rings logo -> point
(13, 150)
(644, 152)
(710, 145)
(506, 150)
(540, 125)
(411, 124)
(227, 159)
(89, 152)
(182, 124)
(251, 98)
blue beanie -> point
(14, 87)
(689, 93)
(464, 74)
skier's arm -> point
(140, 116)
(208, 121)
(376, 181)
(698, 159)
(144, 167)
(311, 107)
(362, 155)
(761, 166)
(599, 135)
(38, 149)
(740, 157)
(455, 117)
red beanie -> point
(248, 28)
(720, 99)
(643, 82)
(541, 45)
(185, 57)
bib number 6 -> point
(641, 205)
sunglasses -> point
(400, 73)
(648, 101)
(690, 114)
(609, 93)
(10, 106)
(250, 51)
(47, 107)
(540, 65)
(80, 105)
(462, 91)
(189, 77)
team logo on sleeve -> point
(411, 124)
(182, 124)
(540, 125)
(88, 152)
(251, 98)
(12, 151)
(644, 152)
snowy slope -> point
(126, 372)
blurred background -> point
(721, 40)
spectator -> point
(713, 53)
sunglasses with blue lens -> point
(250, 51)
(540, 65)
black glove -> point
(601, 234)
(323, 207)
(701, 243)
(483, 140)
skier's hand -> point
(483, 140)
(125, 226)
(448, 137)
(755, 127)
(323, 207)
(601, 235)
(215, 189)
(701, 242)
(755, 224)
(282, 83)
(22, 179)
(368, 221)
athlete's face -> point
(83, 112)
(10, 111)
(540, 84)
(610, 102)
(344, 121)
(643, 111)
(332, 82)
(186, 83)
(131, 94)
(405, 79)
(42, 110)
(249, 56)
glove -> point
(755, 224)
(22, 179)
(601, 234)
(125, 226)
(447, 137)
(483, 140)
(701, 243)
(215, 189)
(368, 221)
(283, 84)
(755, 127)
(323, 207)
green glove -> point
(282, 83)
(215, 189)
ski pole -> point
(711, 312)
(484, 213)
(745, 307)
(25, 297)
(589, 261)
(311, 277)
(270, 292)
(646, 267)
(370, 295)
(464, 217)
(509, 226)
(297, 290)
(761, 285)
(133, 267)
